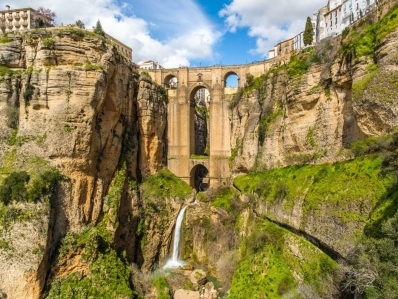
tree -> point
(80, 24)
(308, 32)
(44, 17)
(98, 29)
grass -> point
(357, 182)
(165, 184)
(224, 198)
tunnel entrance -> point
(199, 121)
(200, 178)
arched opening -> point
(170, 82)
(231, 79)
(199, 121)
(200, 178)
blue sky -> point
(189, 32)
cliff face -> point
(70, 101)
(290, 116)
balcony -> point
(2, 17)
(24, 23)
(24, 15)
(10, 17)
(17, 24)
(17, 16)
(9, 25)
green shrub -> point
(92, 67)
(224, 198)
(48, 42)
(14, 187)
(5, 39)
(77, 34)
(4, 71)
(44, 184)
(162, 288)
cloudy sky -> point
(188, 32)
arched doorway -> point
(200, 178)
(199, 121)
(170, 82)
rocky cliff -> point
(69, 101)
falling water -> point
(174, 262)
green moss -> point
(165, 184)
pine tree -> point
(308, 32)
(98, 29)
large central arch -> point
(199, 103)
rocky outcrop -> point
(70, 99)
(316, 115)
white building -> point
(16, 19)
(150, 65)
(298, 41)
(333, 22)
(352, 10)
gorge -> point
(97, 165)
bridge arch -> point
(231, 79)
(199, 178)
(170, 81)
(199, 105)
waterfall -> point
(174, 262)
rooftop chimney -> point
(7, 7)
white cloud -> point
(188, 33)
(269, 21)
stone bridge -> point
(183, 84)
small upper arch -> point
(231, 79)
(170, 81)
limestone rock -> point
(185, 294)
(198, 277)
